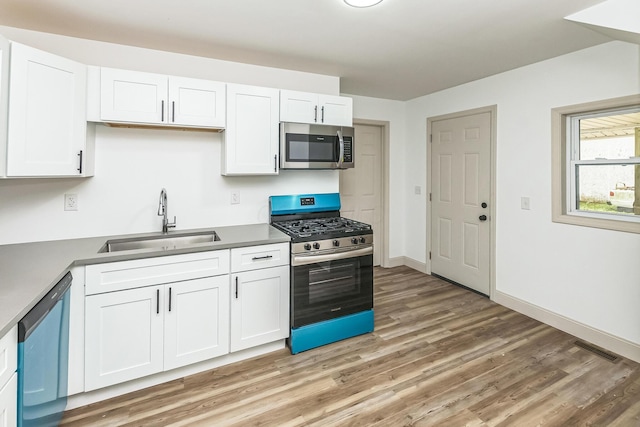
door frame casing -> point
(384, 125)
(493, 111)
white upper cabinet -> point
(304, 107)
(251, 136)
(156, 99)
(46, 131)
(4, 101)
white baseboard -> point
(600, 338)
(409, 262)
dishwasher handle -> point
(33, 318)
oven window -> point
(299, 150)
(329, 281)
(326, 290)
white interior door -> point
(361, 186)
(461, 190)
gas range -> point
(331, 269)
(314, 224)
(325, 227)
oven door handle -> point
(300, 259)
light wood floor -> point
(440, 356)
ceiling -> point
(399, 49)
(609, 126)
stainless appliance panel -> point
(311, 146)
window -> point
(596, 164)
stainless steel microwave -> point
(306, 146)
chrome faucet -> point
(163, 208)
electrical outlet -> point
(235, 198)
(70, 202)
(525, 203)
(417, 190)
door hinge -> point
(429, 196)
(429, 254)
(430, 137)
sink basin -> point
(161, 242)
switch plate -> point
(235, 198)
(417, 189)
(70, 202)
(525, 203)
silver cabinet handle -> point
(162, 111)
(256, 258)
(315, 114)
(322, 116)
(169, 299)
(275, 163)
(236, 287)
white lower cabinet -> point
(124, 336)
(138, 332)
(152, 315)
(9, 402)
(167, 319)
(259, 307)
(196, 325)
(260, 295)
(9, 378)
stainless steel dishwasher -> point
(43, 359)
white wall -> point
(132, 165)
(588, 275)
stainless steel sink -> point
(160, 242)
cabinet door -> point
(196, 102)
(4, 101)
(251, 135)
(9, 402)
(335, 110)
(299, 107)
(132, 96)
(196, 320)
(123, 336)
(47, 119)
(259, 307)
(8, 355)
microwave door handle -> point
(341, 142)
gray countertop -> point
(29, 270)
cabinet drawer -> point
(117, 276)
(255, 257)
(8, 355)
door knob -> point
(482, 217)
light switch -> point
(525, 203)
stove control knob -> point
(354, 240)
(336, 243)
(316, 245)
(307, 246)
(363, 240)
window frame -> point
(563, 164)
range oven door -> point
(325, 287)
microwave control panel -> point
(348, 150)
